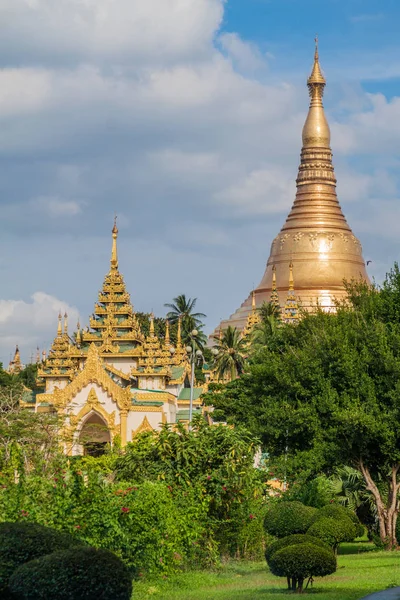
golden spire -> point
(274, 300)
(59, 328)
(253, 301)
(152, 325)
(114, 253)
(179, 336)
(43, 355)
(291, 310)
(37, 355)
(65, 324)
(167, 336)
(78, 334)
(252, 319)
(291, 279)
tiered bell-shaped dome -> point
(316, 238)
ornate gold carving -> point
(144, 426)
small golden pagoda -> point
(316, 238)
(110, 379)
(15, 365)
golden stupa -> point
(316, 250)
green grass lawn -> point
(359, 573)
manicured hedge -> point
(335, 511)
(86, 573)
(333, 531)
(22, 542)
(287, 518)
(292, 540)
(299, 562)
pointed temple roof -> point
(114, 332)
(15, 365)
(113, 326)
(316, 238)
(59, 364)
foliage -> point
(316, 492)
(292, 540)
(287, 518)
(215, 460)
(326, 393)
(22, 542)
(301, 561)
(333, 531)
(28, 376)
(231, 351)
(349, 487)
(270, 321)
(183, 308)
(337, 512)
(81, 573)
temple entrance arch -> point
(94, 436)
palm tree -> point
(182, 308)
(230, 356)
(270, 319)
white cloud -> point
(31, 324)
(115, 29)
(262, 191)
(246, 55)
(56, 207)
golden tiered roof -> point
(316, 237)
(114, 327)
(59, 363)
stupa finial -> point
(114, 252)
(59, 327)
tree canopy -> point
(327, 392)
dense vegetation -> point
(309, 458)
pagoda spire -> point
(59, 327)
(315, 237)
(274, 300)
(167, 339)
(291, 309)
(114, 251)
(65, 324)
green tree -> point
(183, 308)
(267, 327)
(327, 393)
(231, 350)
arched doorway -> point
(94, 436)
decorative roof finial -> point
(78, 334)
(179, 336)
(253, 300)
(151, 325)
(291, 279)
(167, 336)
(65, 323)
(114, 253)
(59, 328)
(37, 355)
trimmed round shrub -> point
(336, 511)
(333, 531)
(22, 542)
(287, 518)
(293, 540)
(71, 574)
(302, 561)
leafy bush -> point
(292, 540)
(287, 518)
(80, 573)
(336, 511)
(22, 542)
(302, 561)
(333, 531)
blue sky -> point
(185, 118)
